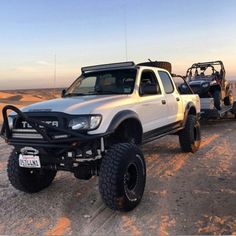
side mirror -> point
(149, 89)
(63, 92)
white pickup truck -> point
(97, 126)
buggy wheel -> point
(122, 177)
(216, 96)
(26, 179)
(190, 136)
(229, 100)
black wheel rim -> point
(130, 181)
(195, 133)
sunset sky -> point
(90, 32)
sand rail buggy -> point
(207, 79)
(96, 128)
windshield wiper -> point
(108, 92)
(74, 94)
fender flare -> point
(120, 117)
(188, 107)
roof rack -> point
(118, 65)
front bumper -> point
(44, 130)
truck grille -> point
(22, 130)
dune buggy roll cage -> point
(43, 129)
(205, 65)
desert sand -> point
(21, 98)
(185, 194)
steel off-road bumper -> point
(67, 138)
(68, 154)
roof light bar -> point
(108, 66)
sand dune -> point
(20, 98)
(5, 95)
(3, 105)
(32, 98)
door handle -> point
(177, 99)
(163, 102)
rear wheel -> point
(122, 177)
(27, 179)
(190, 136)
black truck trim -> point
(43, 129)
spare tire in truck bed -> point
(161, 64)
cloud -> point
(44, 63)
(25, 69)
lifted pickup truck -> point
(95, 128)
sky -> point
(37, 35)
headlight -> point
(95, 121)
(85, 122)
(10, 122)
(205, 85)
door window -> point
(149, 84)
(166, 81)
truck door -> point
(151, 107)
(173, 99)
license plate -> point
(29, 161)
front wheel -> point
(122, 177)
(26, 179)
(190, 136)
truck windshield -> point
(119, 81)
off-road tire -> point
(229, 100)
(161, 64)
(122, 177)
(190, 136)
(217, 99)
(26, 179)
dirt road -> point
(185, 194)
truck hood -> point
(74, 105)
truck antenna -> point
(55, 73)
(125, 33)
